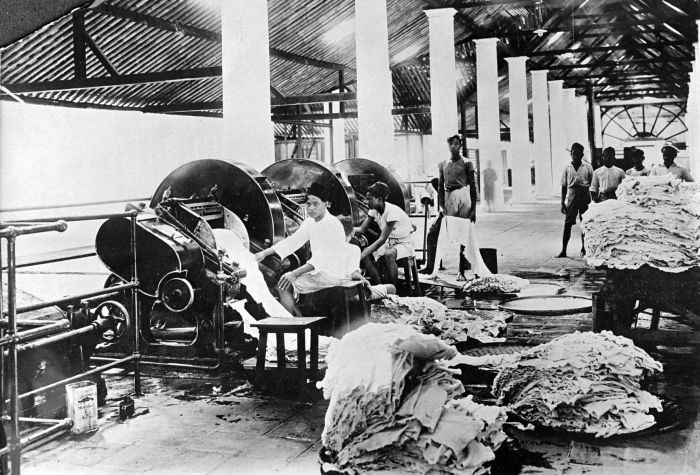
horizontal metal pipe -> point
(180, 365)
(13, 231)
(84, 217)
(77, 377)
(51, 261)
(70, 205)
(58, 426)
(53, 339)
(35, 420)
(38, 332)
(51, 303)
(27, 323)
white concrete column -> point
(570, 116)
(338, 134)
(248, 130)
(488, 116)
(598, 126)
(560, 157)
(540, 126)
(334, 136)
(519, 130)
(374, 94)
(582, 126)
(443, 79)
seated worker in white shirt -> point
(669, 153)
(395, 241)
(325, 235)
(638, 159)
(607, 178)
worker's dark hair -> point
(671, 149)
(348, 226)
(578, 146)
(638, 153)
(609, 150)
(454, 137)
(379, 190)
(319, 190)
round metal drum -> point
(239, 188)
(297, 174)
(362, 173)
(547, 305)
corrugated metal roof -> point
(139, 36)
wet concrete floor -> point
(220, 424)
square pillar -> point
(519, 130)
(540, 123)
(560, 157)
(375, 123)
(443, 79)
(488, 114)
(248, 129)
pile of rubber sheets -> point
(430, 317)
(582, 382)
(497, 284)
(393, 407)
(655, 221)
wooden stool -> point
(410, 275)
(280, 326)
(346, 306)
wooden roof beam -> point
(588, 49)
(314, 99)
(297, 58)
(115, 81)
(684, 60)
(155, 22)
(161, 24)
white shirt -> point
(606, 180)
(393, 214)
(634, 172)
(572, 179)
(350, 259)
(676, 170)
(325, 236)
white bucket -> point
(81, 403)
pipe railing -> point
(50, 332)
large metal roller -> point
(362, 173)
(290, 178)
(234, 185)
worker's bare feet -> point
(561, 254)
(461, 278)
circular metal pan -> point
(549, 305)
(240, 188)
(362, 173)
(674, 416)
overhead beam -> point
(115, 81)
(155, 22)
(597, 64)
(510, 3)
(297, 58)
(176, 27)
(190, 107)
(314, 99)
(591, 49)
(632, 102)
(347, 115)
(100, 56)
(78, 32)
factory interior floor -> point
(222, 425)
